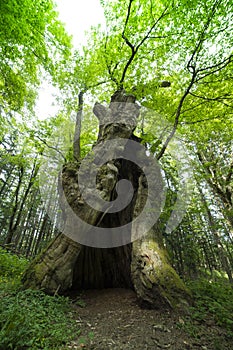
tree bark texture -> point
(142, 265)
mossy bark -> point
(52, 270)
(142, 265)
(155, 281)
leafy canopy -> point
(32, 40)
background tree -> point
(33, 45)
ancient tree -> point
(134, 260)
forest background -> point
(176, 58)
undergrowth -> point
(213, 299)
(30, 319)
(11, 270)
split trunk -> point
(140, 264)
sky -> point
(78, 16)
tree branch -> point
(229, 174)
(218, 99)
(126, 23)
(110, 72)
(51, 147)
(177, 116)
(164, 13)
(133, 52)
(191, 66)
(199, 121)
(213, 181)
(95, 85)
(78, 123)
(219, 66)
(134, 49)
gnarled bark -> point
(142, 265)
(52, 270)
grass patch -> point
(213, 299)
(213, 304)
(30, 319)
(11, 270)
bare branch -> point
(177, 117)
(215, 68)
(164, 13)
(134, 49)
(95, 85)
(126, 23)
(133, 52)
(229, 174)
(51, 147)
(199, 121)
(219, 98)
(191, 64)
(110, 71)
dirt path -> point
(111, 319)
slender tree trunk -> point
(221, 250)
(20, 203)
(221, 188)
(78, 125)
(41, 230)
(7, 182)
(11, 229)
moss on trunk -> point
(52, 269)
(142, 265)
(155, 281)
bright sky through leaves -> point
(78, 16)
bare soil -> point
(112, 319)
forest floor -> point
(112, 319)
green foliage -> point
(32, 39)
(32, 320)
(12, 268)
(213, 298)
(11, 265)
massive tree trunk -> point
(142, 263)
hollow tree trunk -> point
(143, 264)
